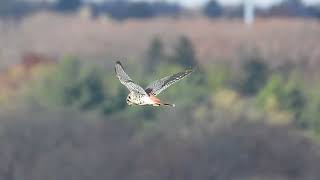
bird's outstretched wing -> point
(127, 81)
(158, 86)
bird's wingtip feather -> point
(119, 63)
(189, 71)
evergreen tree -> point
(154, 54)
(184, 53)
(212, 9)
(255, 76)
(68, 5)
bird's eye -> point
(129, 97)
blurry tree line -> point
(126, 9)
(287, 8)
(255, 90)
(123, 9)
(74, 85)
(70, 120)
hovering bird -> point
(147, 96)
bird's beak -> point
(129, 103)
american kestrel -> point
(147, 96)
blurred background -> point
(250, 111)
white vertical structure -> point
(248, 10)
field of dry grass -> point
(277, 40)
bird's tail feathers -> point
(167, 104)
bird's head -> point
(129, 99)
